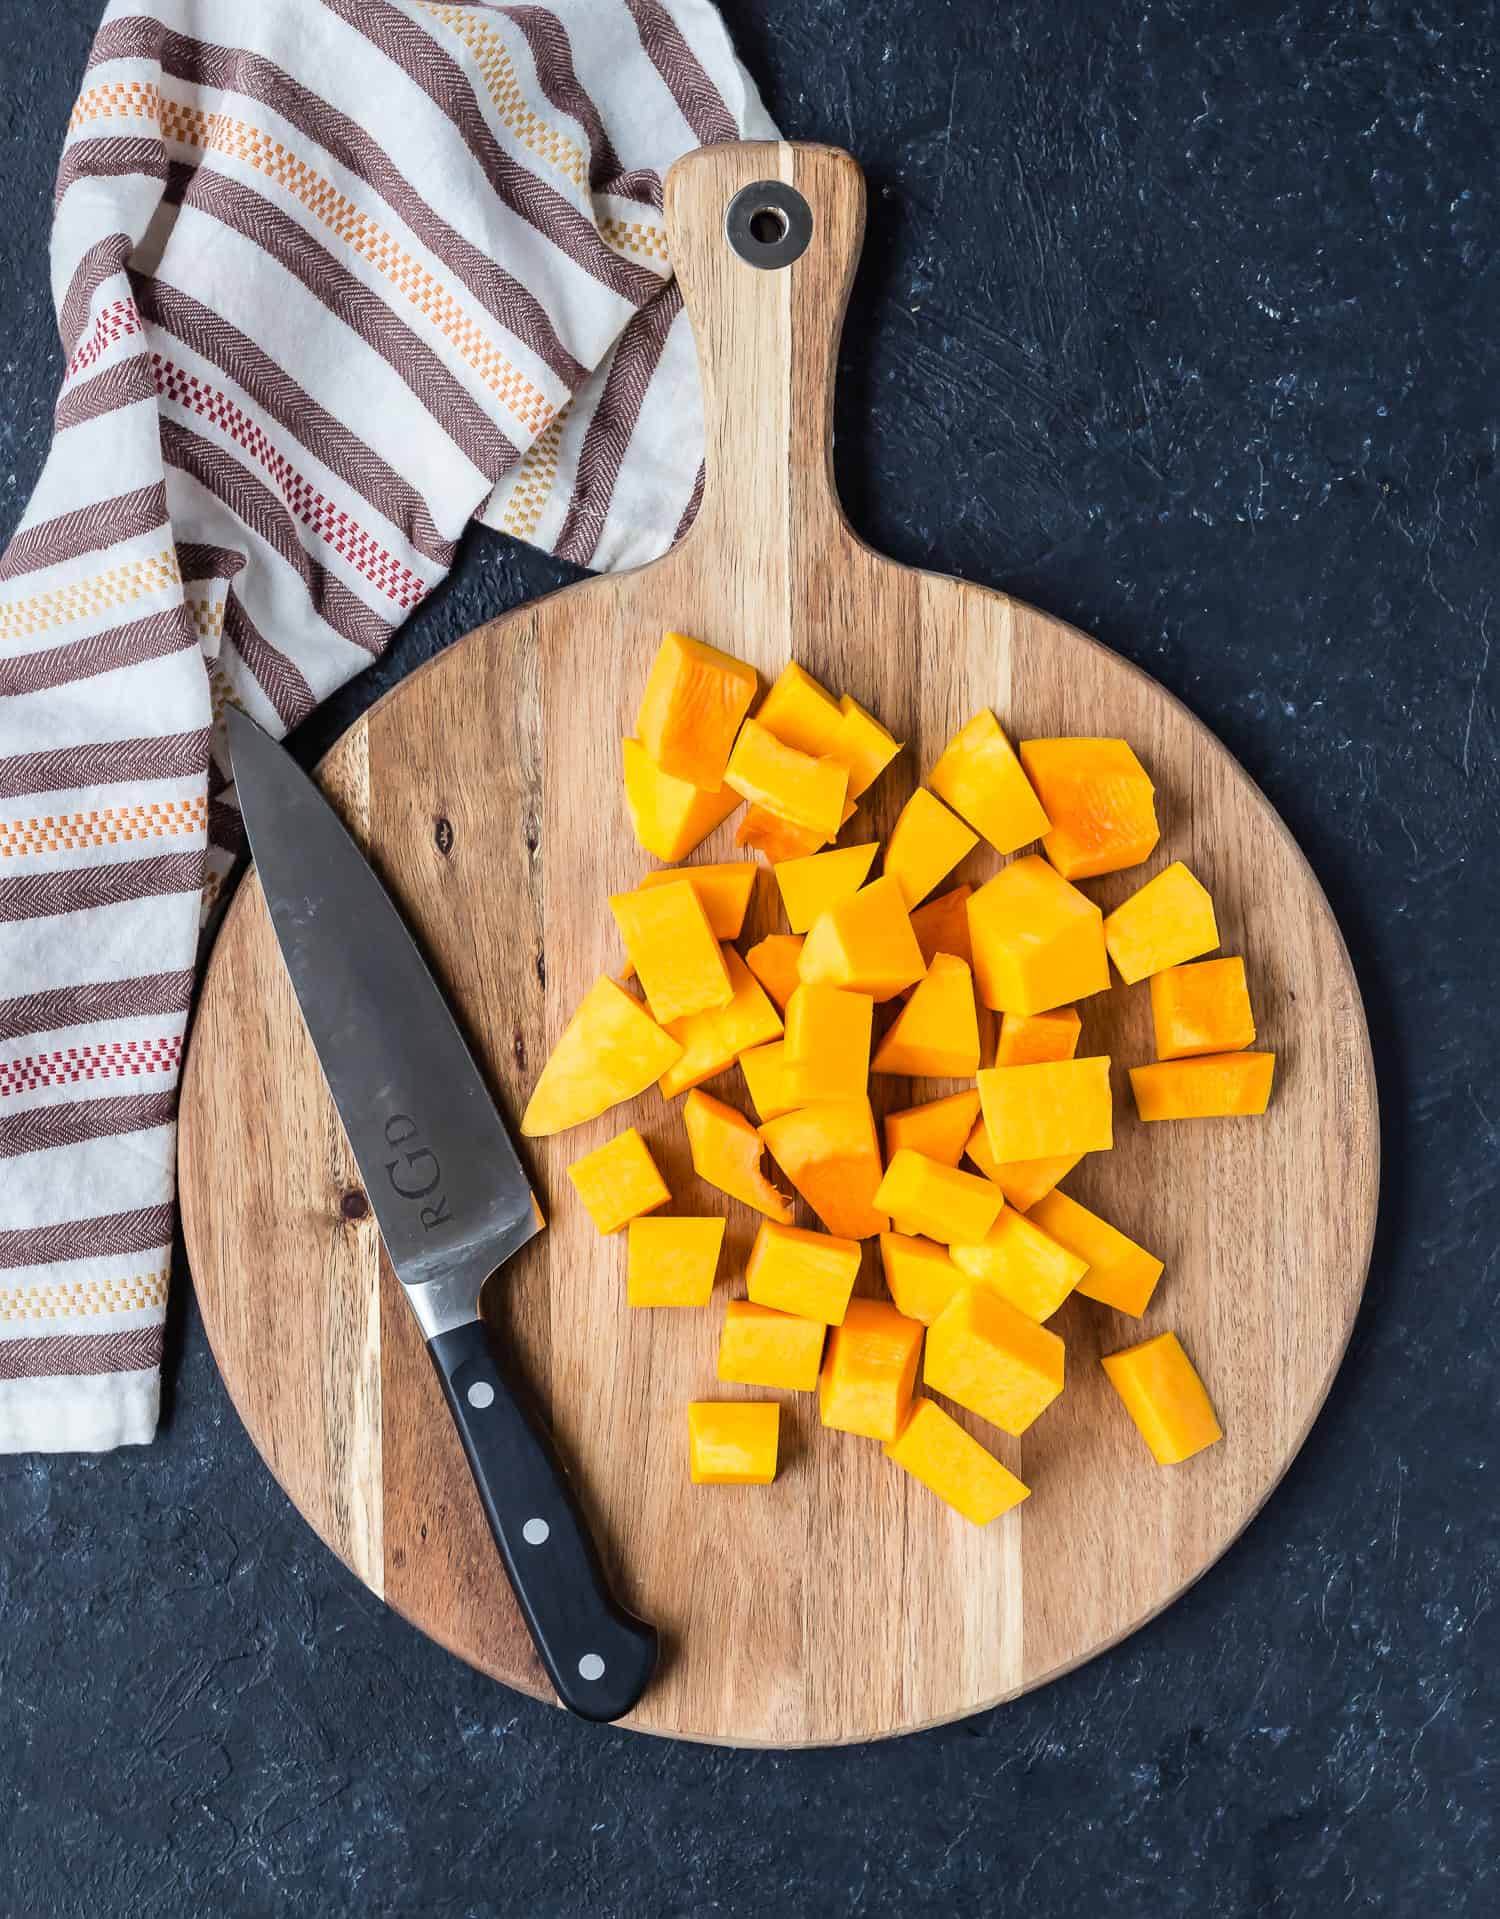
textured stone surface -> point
(1178, 320)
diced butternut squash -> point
(672, 1262)
(936, 1450)
(801, 712)
(1031, 1039)
(1022, 1263)
(870, 1370)
(1218, 1086)
(1171, 919)
(1120, 1273)
(777, 839)
(1165, 1397)
(983, 781)
(942, 925)
(733, 1442)
(940, 1129)
(993, 1359)
(761, 1347)
(1204, 1008)
(1023, 1181)
(936, 1033)
(866, 944)
(1041, 1112)
(670, 817)
(723, 891)
(919, 1275)
(764, 1068)
(711, 1042)
(831, 1155)
(609, 1051)
(811, 886)
(939, 1201)
(828, 1044)
(726, 1151)
(672, 947)
(862, 745)
(619, 1181)
(799, 789)
(810, 1274)
(1038, 942)
(691, 709)
(1100, 801)
(926, 843)
(774, 963)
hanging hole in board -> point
(768, 224)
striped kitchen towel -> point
(333, 277)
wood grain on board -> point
(843, 1602)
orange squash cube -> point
(1023, 1181)
(765, 1073)
(809, 1274)
(609, 1051)
(1120, 1273)
(1033, 1039)
(1204, 1008)
(691, 709)
(761, 1347)
(1171, 919)
(711, 1042)
(724, 892)
(1100, 801)
(980, 777)
(827, 1052)
(936, 1450)
(940, 1129)
(831, 1155)
(672, 1262)
(1022, 1263)
(870, 1370)
(732, 1442)
(990, 1358)
(1217, 1086)
(726, 1151)
(862, 745)
(777, 839)
(811, 886)
(942, 926)
(1040, 1112)
(1038, 942)
(1165, 1397)
(919, 1275)
(618, 1181)
(936, 1033)
(773, 961)
(672, 948)
(801, 712)
(866, 945)
(940, 1202)
(670, 817)
(926, 843)
(797, 788)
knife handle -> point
(599, 1657)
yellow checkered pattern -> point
(102, 592)
(640, 237)
(84, 1298)
(116, 99)
(102, 826)
(207, 617)
(549, 144)
(532, 487)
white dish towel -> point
(333, 277)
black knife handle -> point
(599, 1657)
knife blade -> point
(451, 1198)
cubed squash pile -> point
(879, 977)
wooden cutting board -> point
(844, 1602)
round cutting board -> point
(843, 1602)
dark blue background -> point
(1179, 320)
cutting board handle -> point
(767, 326)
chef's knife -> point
(451, 1198)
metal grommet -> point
(768, 224)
